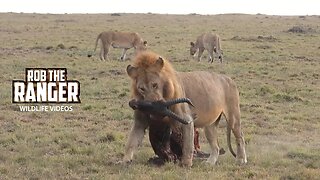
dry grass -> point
(277, 73)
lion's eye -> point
(141, 89)
(154, 85)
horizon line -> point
(202, 14)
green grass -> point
(277, 73)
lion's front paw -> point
(186, 162)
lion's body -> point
(123, 40)
(207, 41)
(212, 95)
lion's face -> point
(150, 88)
(142, 46)
(150, 84)
(193, 48)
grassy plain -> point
(277, 72)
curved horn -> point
(179, 100)
(175, 117)
(133, 104)
(141, 105)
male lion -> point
(213, 95)
(124, 40)
(208, 41)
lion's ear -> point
(159, 64)
(132, 71)
(145, 43)
(192, 44)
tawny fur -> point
(153, 78)
(211, 43)
(123, 40)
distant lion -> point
(124, 40)
(213, 95)
(210, 42)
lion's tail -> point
(229, 140)
(218, 44)
(95, 47)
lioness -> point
(124, 40)
(208, 41)
(213, 95)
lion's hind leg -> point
(102, 53)
(211, 57)
(105, 52)
(211, 133)
(123, 55)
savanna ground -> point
(276, 70)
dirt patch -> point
(64, 20)
(302, 58)
(108, 138)
(116, 72)
(263, 47)
(255, 39)
(70, 51)
(14, 51)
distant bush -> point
(87, 107)
(73, 47)
(296, 29)
(264, 90)
(301, 29)
(37, 47)
(49, 47)
(115, 14)
(61, 46)
(108, 138)
(283, 97)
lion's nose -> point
(154, 98)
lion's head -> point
(153, 78)
(142, 46)
(193, 48)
